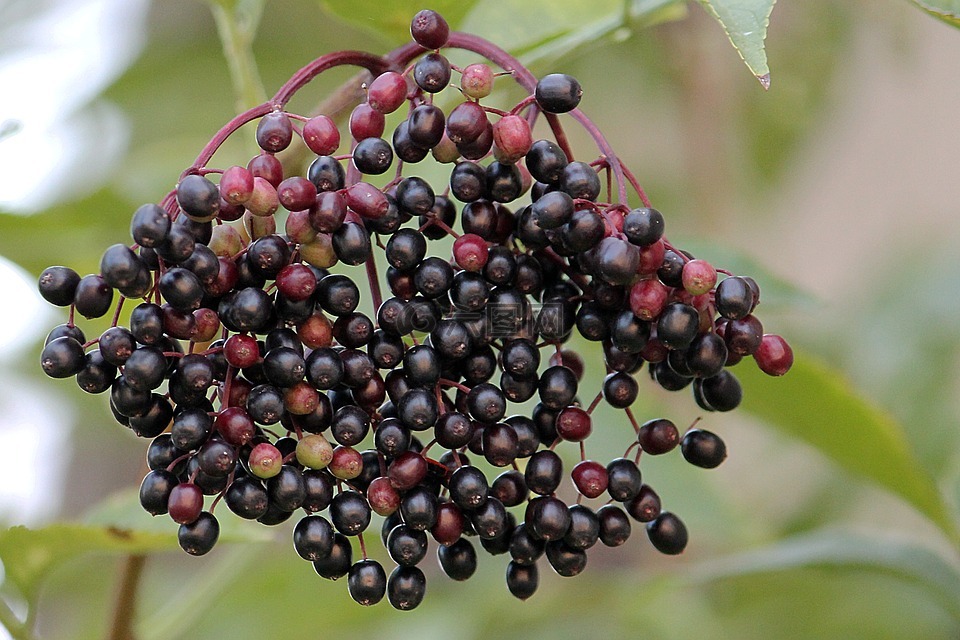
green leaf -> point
(536, 29)
(946, 10)
(817, 405)
(745, 23)
(392, 19)
(118, 526)
(29, 555)
(905, 560)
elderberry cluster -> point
(245, 360)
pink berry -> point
(699, 277)
(477, 80)
(513, 138)
(647, 298)
(265, 460)
(236, 185)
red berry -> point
(574, 424)
(590, 478)
(774, 356)
(321, 135)
(296, 282)
(236, 426)
(185, 503)
(470, 252)
(241, 351)
(383, 498)
(297, 193)
(236, 185)
(367, 200)
(647, 298)
(658, 436)
(387, 92)
(407, 470)
(366, 122)
(346, 463)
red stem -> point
(374, 281)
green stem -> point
(17, 630)
(238, 28)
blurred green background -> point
(836, 513)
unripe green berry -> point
(314, 451)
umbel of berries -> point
(294, 345)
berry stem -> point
(116, 315)
(559, 134)
(375, 64)
(527, 80)
(633, 421)
(373, 281)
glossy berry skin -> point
(590, 478)
(543, 472)
(522, 580)
(623, 479)
(367, 582)
(185, 503)
(677, 326)
(321, 135)
(668, 534)
(558, 93)
(557, 387)
(459, 560)
(774, 356)
(658, 436)
(734, 298)
(313, 538)
(155, 491)
(574, 424)
(406, 546)
(432, 72)
(58, 285)
(338, 563)
(198, 197)
(703, 448)
(406, 588)
(199, 537)
(429, 29)
(615, 526)
(62, 358)
(274, 132)
(468, 487)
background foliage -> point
(836, 514)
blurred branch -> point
(237, 26)
(17, 630)
(126, 601)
